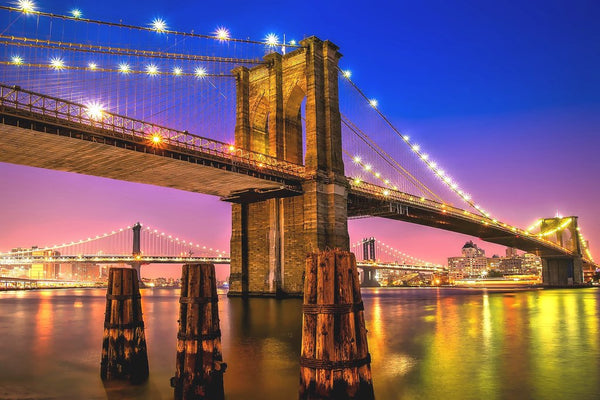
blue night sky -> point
(506, 95)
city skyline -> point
(508, 104)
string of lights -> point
(63, 245)
(123, 68)
(20, 41)
(386, 157)
(389, 250)
(123, 231)
(416, 149)
(158, 25)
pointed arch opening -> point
(294, 126)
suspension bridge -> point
(275, 127)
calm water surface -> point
(425, 344)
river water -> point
(426, 343)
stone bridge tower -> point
(270, 238)
(562, 270)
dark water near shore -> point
(425, 344)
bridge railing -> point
(422, 202)
(137, 130)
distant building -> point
(472, 263)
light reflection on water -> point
(425, 344)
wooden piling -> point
(124, 354)
(200, 366)
(335, 360)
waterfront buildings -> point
(473, 263)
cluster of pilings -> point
(334, 363)
(199, 363)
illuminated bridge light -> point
(76, 13)
(94, 110)
(92, 66)
(17, 60)
(386, 192)
(367, 167)
(124, 68)
(347, 73)
(357, 159)
(159, 25)
(157, 139)
(152, 69)
(222, 34)
(27, 6)
(200, 72)
(373, 103)
(271, 39)
(57, 63)
(356, 181)
(177, 71)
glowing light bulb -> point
(416, 147)
(271, 39)
(200, 72)
(356, 159)
(92, 66)
(386, 192)
(57, 63)
(222, 34)
(152, 69)
(94, 110)
(27, 6)
(124, 68)
(17, 60)
(76, 13)
(466, 197)
(373, 103)
(424, 156)
(177, 71)
(347, 73)
(356, 181)
(406, 137)
(159, 25)
(292, 42)
(367, 167)
(156, 139)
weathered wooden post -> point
(124, 354)
(335, 360)
(200, 366)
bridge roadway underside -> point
(360, 205)
(45, 145)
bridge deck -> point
(404, 207)
(100, 155)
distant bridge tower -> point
(369, 279)
(271, 236)
(137, 253)
(562, 270)
(369, 249)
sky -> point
(506, 95)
